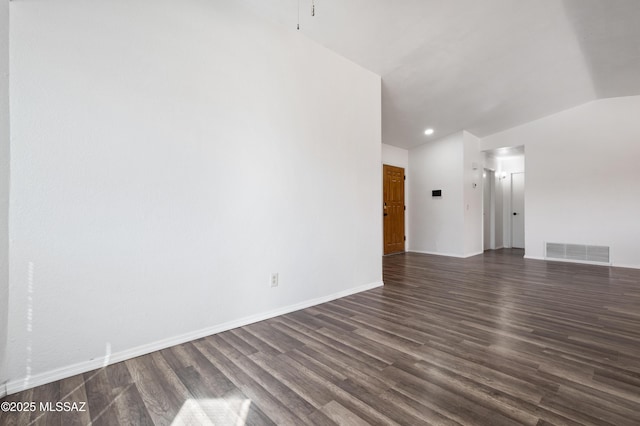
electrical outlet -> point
(274, 279)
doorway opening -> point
(504, 197)
(393, 209)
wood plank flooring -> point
(490, 340)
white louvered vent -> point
(578, 253)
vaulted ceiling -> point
(478, 65)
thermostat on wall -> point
(436, 193)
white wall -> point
(399, 157)
(4, 186)
(166, 158)
(490, 162)
(450, 225)
(472, 184)
(512, 164)
(582, 177)
(437, 223)
(394, 156)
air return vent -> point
(578, 253)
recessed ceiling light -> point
(428, 132)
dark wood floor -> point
(493, 339)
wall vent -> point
(578, 253)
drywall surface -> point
(472, 189)
(394, 156)
(490, 162)
(167, 157)
(4, 186)
(512, 164)
(582, 177)
(436, 224)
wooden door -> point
(393, 209)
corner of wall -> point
(436, 223)
(4, 189)
(472, 190)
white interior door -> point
(517, 210)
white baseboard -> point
(617, 265)
(437, 253)
(19, 385)
(586, 263)
(473, 254)
(533, 257)
(459, 256)
(582, 262)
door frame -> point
(511, 210)
(490, 185)
(404, 210)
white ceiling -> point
(479, 65)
